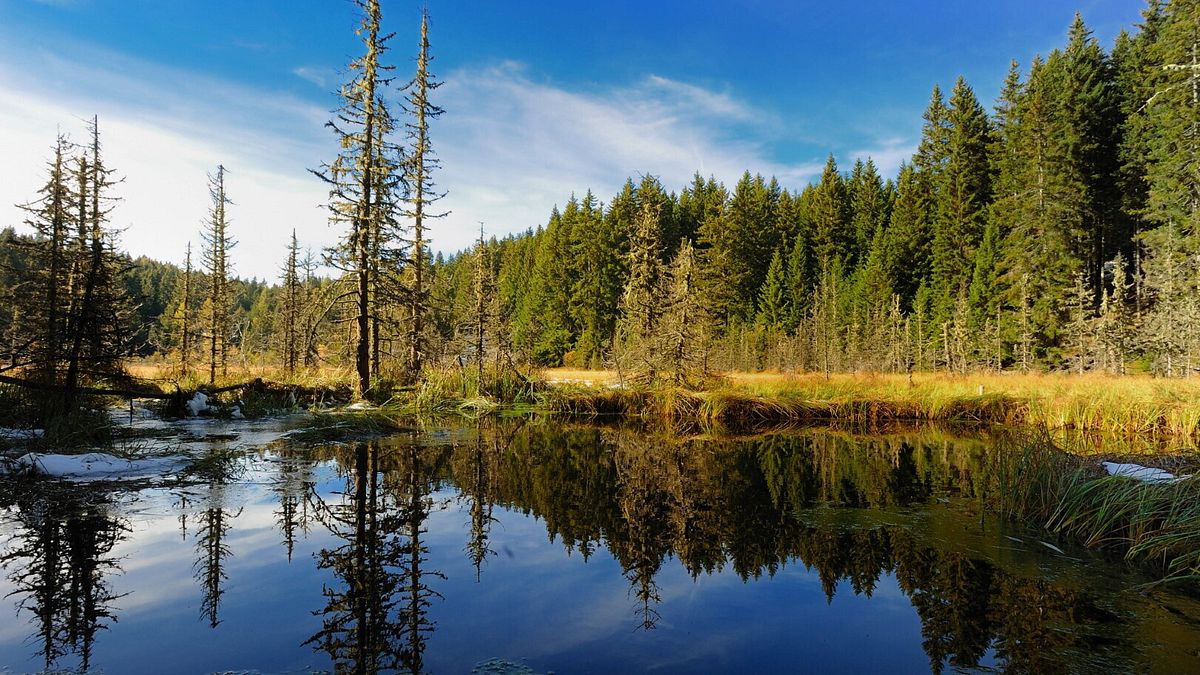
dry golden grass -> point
(578, 376)
(1134, 404)
(169, 374)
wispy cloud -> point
(164, 139)
(888, 154)
(511, 145)
(322, 77)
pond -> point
(531, 546)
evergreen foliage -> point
(1061, 231)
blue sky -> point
(543, 98)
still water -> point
(534, 547)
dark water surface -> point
(537, 547)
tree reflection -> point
(59, 560)
(292, 516)
(753, 505)
(212, 524)
(376, 618)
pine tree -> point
(683, 324)
(773, 306)
(217, 242)
(293, 309)
(962, 191)
(363, 184)
(831, 236)
(419, 176)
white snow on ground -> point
(20, 434)
(1146, 474)
(198, 404)
(98, 466)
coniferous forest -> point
(657, 431)
(1054, 228)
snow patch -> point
(198, 405)
(1147, 474)
(21, 434)
(98, 466)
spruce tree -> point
(599, 279)
(773, 306)
(1038, 209)
(293, 309)
(641, 304)
(217, 242)
(363, 183)
(420, 166)
(908, 249)
(828, 212)
(42, 304)
(681, 335)
(1088, 106)
(98, 325)
(1172, 122)
(799, 282)
(183, 311)
(869, 206)
(962, 191)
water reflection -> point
(898, 512)
(212, 553)
(377, 619)
(59, 565)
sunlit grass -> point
(169, 375)
(1152, 523)
(1119, 404)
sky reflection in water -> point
(569, 549)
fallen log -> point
(127, 393)
(123, 393)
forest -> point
(1057, 232)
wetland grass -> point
(1155, 524)
(1127, 405)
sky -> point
(542, 99)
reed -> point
(1154, 524)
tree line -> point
(1057, 231)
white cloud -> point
(163, 131)
(322, 77)
(511, 147)
(888, 155)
